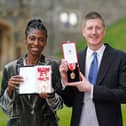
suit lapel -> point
(82, 58)
(107, 60)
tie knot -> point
(94, 53)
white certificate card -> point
(37, 79)
(69, 52)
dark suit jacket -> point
(108, 93)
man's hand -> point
(63, 70)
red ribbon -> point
(71, 66)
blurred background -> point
(63, 20)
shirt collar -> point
(100, 51)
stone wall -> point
(50, 10)
(16, 13)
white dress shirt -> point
(88, 115)
(89, 58)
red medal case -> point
(70, 54)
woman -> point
(31, 109)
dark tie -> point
(93, 71)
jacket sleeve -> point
(6, 102)
(55, 100)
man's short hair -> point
(93, 15)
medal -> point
(72, 68)
(72, 75)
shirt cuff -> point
(63, 85)
(10, 99)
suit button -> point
(32, 112)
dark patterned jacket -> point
(34, 111)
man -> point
(96, 99)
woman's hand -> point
(14, 83)
(44, 95)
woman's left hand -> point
(44, 95)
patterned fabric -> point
(33, 111)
